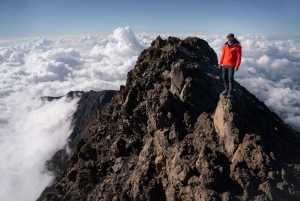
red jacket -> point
(231, 55)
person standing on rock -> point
(230, 62)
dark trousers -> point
(228, 77)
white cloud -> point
(45, 42)
(11, 57)
(125, 45)
(41, 44)
(67, 56)
(35, 130)
(5, 53)
(34, 67)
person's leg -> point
(230, 80)
(225, 78)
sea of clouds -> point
(32, 130)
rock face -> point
(90, 105)
(170, 134)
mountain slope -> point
(170, 134)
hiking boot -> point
(229, 94)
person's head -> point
(230, 37)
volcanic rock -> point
(169, 134)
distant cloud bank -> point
(32, 130)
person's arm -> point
(239, 58)
(222, 58)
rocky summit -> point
(170, 134)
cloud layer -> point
(32, 130)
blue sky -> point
(19, 18)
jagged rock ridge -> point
(169, 135)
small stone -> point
(115, 198)
(117, 168)
(119, 160)
(178, 169)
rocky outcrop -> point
(170, 134)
